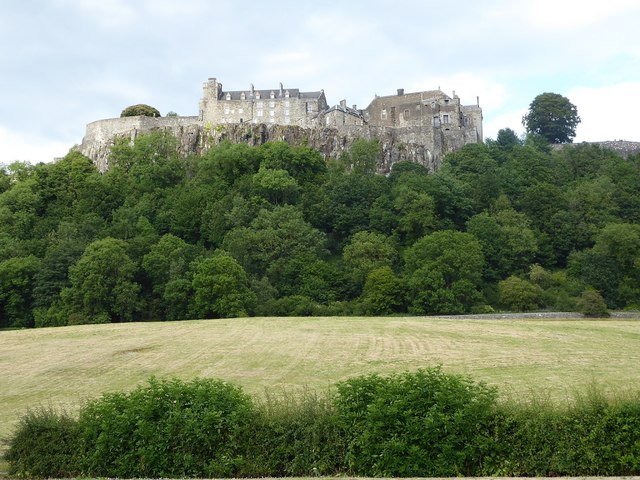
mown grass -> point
(64, 366)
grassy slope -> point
(63, 366)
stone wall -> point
(102, 134)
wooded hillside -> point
(277, 230)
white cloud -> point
(607, 113)
(512, 119)
(109, 14)
(29, 148)
(565, 15)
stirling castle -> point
(419, 126)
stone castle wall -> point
(420, 127)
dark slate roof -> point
(348, 110)
(266, 94)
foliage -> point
(140, 109)
(444, 272)
(221, 288)
(422, 424)
(78, 246)
(591, 304)
(426, 423)
(553, 117)
(166, 429)
(102, 284)
(519, 295)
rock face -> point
(193, 137)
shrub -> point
(422, 424)
(520, 295)
(43, 445)
(295, 434)
(166, 429)
(591, 304)
(595, 436)
(140, 109)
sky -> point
(66, 63)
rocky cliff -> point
(194, 137)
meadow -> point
(62, 367)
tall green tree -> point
(553, 117)
(444, 271)
(102, 285)
(221, 288)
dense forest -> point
(278, 230)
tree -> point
(221, 288)
(16, 293)
(520, 295)
(383, 293)
(367, 252)
(444, 272)
(364, 156)
(102, 287)
(553, 117)
(140, 109)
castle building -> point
(278, 106)
(417, 126)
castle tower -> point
(212, 92)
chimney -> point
(281, 89)
(478, 100)
(400, 91)
(343, 103)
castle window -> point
(286, 112)
(286, 94)
(383, 114)
(272, 104)
(272, 120)
(287, 120)
(243, 96)
(436, 121)
(241, 110)
(271, 113)
(226, 111)
(260, 104)
(286, 104)
(272, 94)
(259, 113)
(406, 114)
(257, 94)
(445, 118)
(228, 96)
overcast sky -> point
(65, 63)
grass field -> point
(64, 366)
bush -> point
(44, 445)
(520, 295)
(140, 110)
(295, 435)
(425, 423)
(422, 424)
(166, 429)
(591, 304)
(595, 436)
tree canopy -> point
(277, 230)
(140, 110)
(553, 117)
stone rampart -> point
(101, 135)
